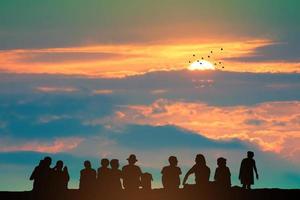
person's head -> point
(173, 161)
(221, 162)
(59, 165)
(114, 163)
(200, 159)
(132, 159)
(250, 154)
(47, 161)
(87, 164)
(104, 162)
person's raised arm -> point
(66, 171)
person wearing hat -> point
(131, 174)
(222, 174)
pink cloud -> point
(103, 91)
(269, 125)
(158, 91)
(49, 89)
(58, 145)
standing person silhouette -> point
(246, 175)
(103, 173)
(115, 176)
(171, 174)
(131, 174)
(61, 177)
(87, 178)
(201, 171)
(222, 174)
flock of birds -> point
(209, 57)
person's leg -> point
(244, 186)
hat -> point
(132, 157)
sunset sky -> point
(90, 79)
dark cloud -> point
(255, 122)
(226, 88)
(286, 50)
(167, 137)
(57, 57)
(46, 116)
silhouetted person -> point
(171, 174)
(103, 173)
(115, 176)
(222, 174)
(60, 177)
(87, 177)
(131, 174)
(146, 181)
(201, 171)
(36, 177)
(246, 175)
(42, 176)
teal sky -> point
(67, 23)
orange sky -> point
(124, 60)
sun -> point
(201, 65)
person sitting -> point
(115, 176)
(131, 174)
(103, 173)
(36, 176)
(171, 174)
(201, 171)
(87, 177)
(222, 174)
(146, 181)
(61, 176)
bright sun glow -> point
(201, 65)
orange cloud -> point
(58, 145)
(48, 89)
(269, 125)
(128, 59)
(103, 91)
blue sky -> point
(106, 78)
(114, 117)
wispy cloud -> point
(49, 89)
(56, 146)
(103, 92)
(158, 91)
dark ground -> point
(159, 194)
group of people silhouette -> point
(46, 178)
(109, 178)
